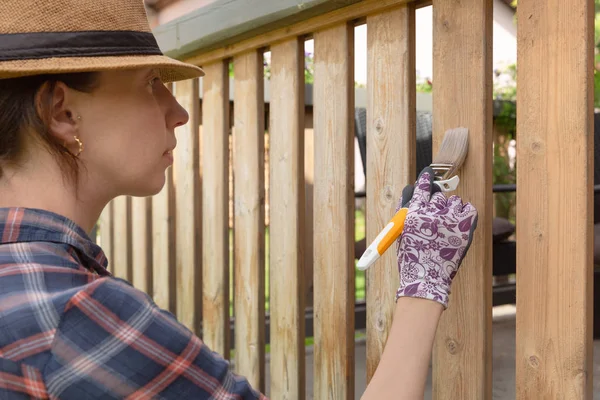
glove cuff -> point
(425, 290)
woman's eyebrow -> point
(150, 73)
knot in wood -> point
(536, 146)
(534, 362)
(380, 323)
(388, 193)
(452, 346)
(379, 125)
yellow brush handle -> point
(395, 232)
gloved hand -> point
(437, 234)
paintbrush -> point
(450, 157)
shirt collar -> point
(33, 225)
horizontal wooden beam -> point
(424, 100)
(201, 54)
(360, 321)
(503, 294)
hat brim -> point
(170, 70)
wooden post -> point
(141, 258)
(249, 211)
(554, 350)
(462, 97)
(163, 246)
(287, 296)
(334, 213)
(188, 245)
(391, 114)
(122, 238)
(215, 203)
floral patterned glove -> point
(437, 234)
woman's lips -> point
(169, 155)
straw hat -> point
(60, 36)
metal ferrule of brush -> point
(443, 176)
(442, 171)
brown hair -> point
(20, 116)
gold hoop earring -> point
(80, 145)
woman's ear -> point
(54, 107)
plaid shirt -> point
(69, 330)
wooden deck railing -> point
(176, 246)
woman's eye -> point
(152, 81)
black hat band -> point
(37, 45)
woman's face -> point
(127, 127)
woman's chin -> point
(149, 187)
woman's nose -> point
(178, 115)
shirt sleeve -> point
(113, 342)
(20, 381)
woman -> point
(85, 117)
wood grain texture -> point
(391, 114)
(334, 213)
(215, 203)
(342, 15)
(249, 218)
(122, 238)
(554, 350)
(286, 287)
(106, 232)
(141, 240)
(163, 245)
(462, 65)
(187, 192)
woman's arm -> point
(114, 342)
(436, 237)
(404, 364)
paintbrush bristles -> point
(452, 152)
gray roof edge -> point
(227, 21)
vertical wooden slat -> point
(287, 296)
(462, 65)
(188, 274)
(215, 192)
(249, 235)
(163, 252)
(106, 232)
(141, 240)
(391, 114)
(334, 213)
(554, 350)
(122, 238)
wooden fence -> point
(176, 245)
